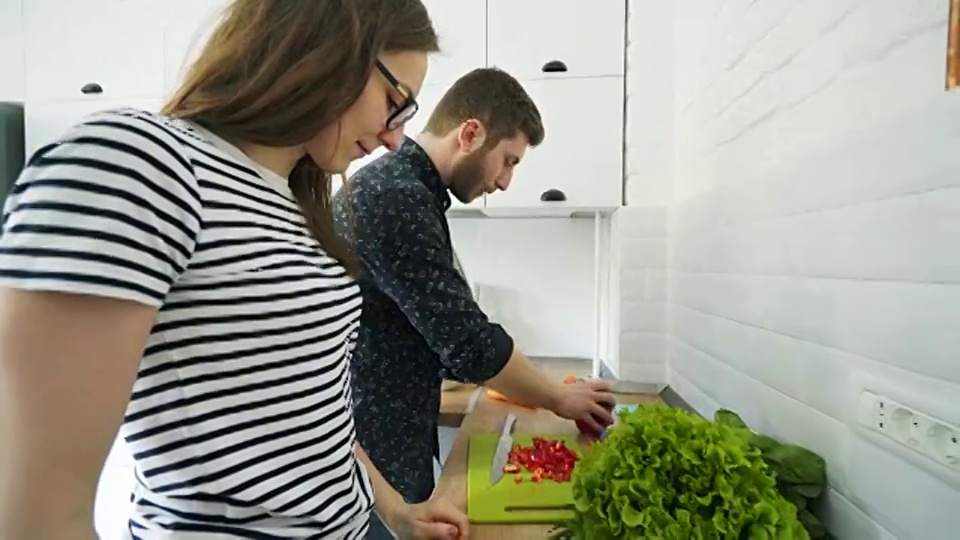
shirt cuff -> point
(501, 351)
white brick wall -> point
(650, 137)
(814, 229)
(638, 305)
(637, 329)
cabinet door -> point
(188, 26)
(72, 46)
(582, 153)
(11, 51)
(461, 27)
(533, 39)
(46, 121)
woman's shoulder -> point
(132, 121)
(133, 154)
(120, 131)
(134, 128)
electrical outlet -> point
(931, 437)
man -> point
(420, 322)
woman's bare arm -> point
(95, 232)
(67, 364)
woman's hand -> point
(432, 520)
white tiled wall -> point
(638, 305)
(814, 231)
(638, 326)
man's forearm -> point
(388, 500)
(521, 380)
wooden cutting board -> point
(508, 501)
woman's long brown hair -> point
(277, 72)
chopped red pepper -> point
(517, 479)
(546, 459)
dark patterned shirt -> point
(419, 324)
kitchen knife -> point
(504, 444)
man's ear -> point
(472, 135)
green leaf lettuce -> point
(664, 473)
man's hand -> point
(432, 520)
(588, 402)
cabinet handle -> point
(554, 66)
(91, 88)
(553, 195)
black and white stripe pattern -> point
(240, 420)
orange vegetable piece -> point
(500, 397)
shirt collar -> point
(426, 171)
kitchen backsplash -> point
(535, 277)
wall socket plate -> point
(929, 436)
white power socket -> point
(933, 438)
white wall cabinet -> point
(107, 48)
(569, 55)
(188, 25)
(82, 57)
(531, 39)
(461, 28)
(581, 157)
(135, 53)
(11, 51)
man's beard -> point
(467, 178)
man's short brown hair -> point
(493, 97)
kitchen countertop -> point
(487, 417)
(456, 403)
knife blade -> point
(504, 444)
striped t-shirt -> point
(240, 419)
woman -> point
(178, 274)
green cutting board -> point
(495, 504)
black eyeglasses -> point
(406, 109)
